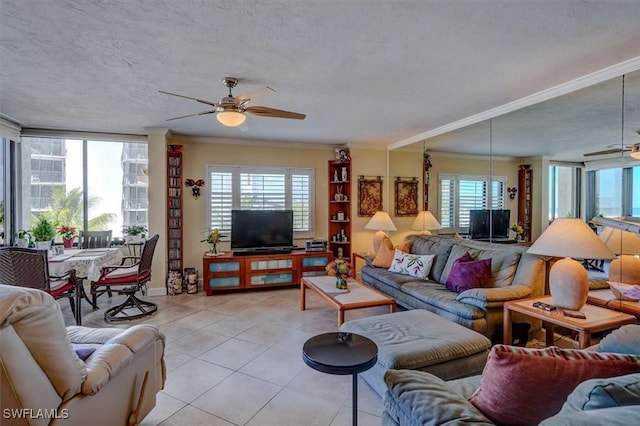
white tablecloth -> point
(87, 263)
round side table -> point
(341, 353)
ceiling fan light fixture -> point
(635, 154)
(231, 118)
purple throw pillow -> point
(467, 273)
(83, 352)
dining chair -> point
(95, 239)
(24, 267)
(127, 280)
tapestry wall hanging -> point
(406, 196)
(369, 195)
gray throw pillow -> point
(625, 340)
(595, 394)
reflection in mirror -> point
(576, 146)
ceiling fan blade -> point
(192, 115)
(256, 95)
(605, 152)
(275, 113)
(213, 104)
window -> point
(461, 193)
(115, 194)
(564, 191)
(260, 188)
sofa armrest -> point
(485, 298)
(418, 397)
(117, 349)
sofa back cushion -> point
(524, 386)
(440, 247)
(36, 318)
(503, 263)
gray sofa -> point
(420, 398)
(515, 275)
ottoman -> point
(420, 340)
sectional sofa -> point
(514, 274)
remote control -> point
(545, 306)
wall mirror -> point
(577, 146)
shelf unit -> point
(174, 213)
(525, 200)
(228, 272)
(340, 199)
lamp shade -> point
(231, 118)
(425, 221)
(381, 221)
(620, 242)
(570, 237)
(568, 279)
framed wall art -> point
(406, 196)
(369, 195)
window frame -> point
(494, 201)
(236, 171)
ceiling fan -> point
(230, 110)
(634, 149)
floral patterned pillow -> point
(415, 265)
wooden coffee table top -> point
(356, 293)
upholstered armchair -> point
(76, 375)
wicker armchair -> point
(127, 280)
(29, 268)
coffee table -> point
(357, 295)
(597, 319)
(341, 353)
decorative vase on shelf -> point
(67, 242)
(341, 283)
(344, 175)
(43, 245)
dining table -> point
(87, 264)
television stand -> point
(258, 269)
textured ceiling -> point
(373, 72)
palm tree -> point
(67, 210)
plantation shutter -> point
(221, 200)
(262, 191)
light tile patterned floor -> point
(236, 359)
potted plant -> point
(136, 233)
(23, 238)
(68, 233)
(43, 233)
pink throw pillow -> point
(467, 273)
(525, 386)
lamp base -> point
(425, 232)
(377, 240)
(625, 269)
(568, 284)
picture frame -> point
(369, 195)
(406, 200)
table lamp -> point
(568, 280)
(626, 267)
(425, 222)
(381, 221)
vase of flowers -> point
(135, 233)
(68, 233)
(213, 238)
(517, 229)
(341, 269)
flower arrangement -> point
(213, 238)
(341, 269)
(515, 227)
(67, 232)
(134, 230)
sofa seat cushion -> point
(595, 394)
(419, 398)
(439, 296)
(391, 279)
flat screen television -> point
(251, 229)
(489, 224)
